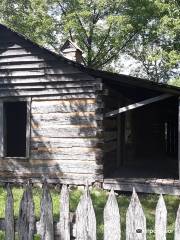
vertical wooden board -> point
(135, 220)
(45, 226)
(28, 127)
(112, 219)
(177, 225)
(119, 144)
(26, 221)
(85, 218)
(160, 219)
(9, 216)
(179, 136)
(1, 130)
(64, 221)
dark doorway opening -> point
(15, 119)
(150, 141)
(143, 142)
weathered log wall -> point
(65, 137)
(66, 112)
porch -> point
(144, 185)
(141, 141)
(144, 180)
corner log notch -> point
(137, 105)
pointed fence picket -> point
(64, 220)
(85, 218)
(45, 226)
(135, 220)
(177, 225)
(26, 221)
(161, 219)
(9, 216)
(84, 223)
(112, 228)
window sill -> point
(15, 158)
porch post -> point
(1, 130)
(179, 136)
(120, 139)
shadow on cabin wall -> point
(19, 168)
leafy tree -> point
(30, 18)
(158, 47)
(102, 28)
(147, 30)
(175, 81)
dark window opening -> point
(15, 120)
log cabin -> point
(70, 124)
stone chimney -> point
(71, 51)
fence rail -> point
(84, 227)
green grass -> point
(99, 198)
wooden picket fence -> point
(84, 227)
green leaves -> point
(147, 30)
(30, 18)
(157, 46)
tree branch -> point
(103, 43)
(117, 53)
(79, 20)
(64, 12)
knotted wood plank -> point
(26, 221)
(45, 226)
(85, 218)
(160, 219)
(135, 220)
(112, 219)
(64, 221)
(9, 216)
(177, 225)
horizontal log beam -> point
(65, 77)
(53, 91)
(137, 105)
(71, 132)
(24, 58)
(36, 72)
(60, 178)
(65, 97)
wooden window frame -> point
(28, 126)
